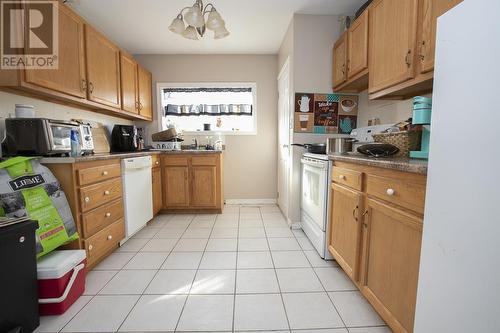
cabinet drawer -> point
(96, 195)
(99, 173)
(101, 217)
(204, 160)
(105, 240)
(405, 193)
(155, 160)
(347, 177)
(175, 160)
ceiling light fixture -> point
(194, 18)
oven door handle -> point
(313, 164)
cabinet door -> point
(204, 186)
(103, 69)
(345, 228)
(430, 10)
(129, 84)
(392, 261)
(175, 186)
(339, 61)
(69, 78)
(157, 195)
(393, 37)
(357, 41)
(145, 107)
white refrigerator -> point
(459, 282)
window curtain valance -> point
(209, 110)
(212, 90)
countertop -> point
(100, 157)
(395, 163)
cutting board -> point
(101, 139)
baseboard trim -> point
(250, 201)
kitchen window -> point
(227, 108)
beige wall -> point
(250, 166)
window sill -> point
(224, 133)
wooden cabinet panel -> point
(357, 50)
(145, 101)
(155, 160)
(393, 245)
(339, 61)
(203, 186)
(175, 186)
(103, 242)
(129, 84)
(175, 161)
(430, 10)
(101, 217)
(95, 195)
(69, 78)
(392, 31)
(351, 178)
(103, 69)
(157, 195)
(204, 160)
(98, 173)
(345, 228)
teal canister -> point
(421, 116)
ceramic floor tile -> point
(218, 260)
(299, 233)
(305, 244)
(256, 281)
(159, 245)
(284, 244)
(253, 244)
(115, 261)
(249, 210)
(310, 311)
(298, 280)
(277, 224)
(224, 245)
(173, 233)
(250, 216)
(207, 313)
(132, 282)
(269, 209)
(147, 260)
(251, 233)
(254, 260)
(330, 330)
(171, 282)
(259, 312)
(132, 245)
(177, 224)
(96, 280)
(182, 217)
(154, 313)
(102, 314)
(251, 224)
(146, 232)
(290, 259)
(51, 324)
(219, 224)
(317, 261)
(197, 233)
(189, 245)
(334, 279)
(380, 329)
(202, 223)
(272, 232)
(182, 260)
(224, 233)
(355, 309)
(157, 223)
(214, 282)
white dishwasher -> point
(137, 193)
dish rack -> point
(167, 145)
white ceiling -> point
(256, 26)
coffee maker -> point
(124, 138)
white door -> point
(283, 137)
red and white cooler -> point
(61, 280)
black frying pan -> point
(313, 148)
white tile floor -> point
(243, 270)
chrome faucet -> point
(195, 143)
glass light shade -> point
(177, 26)
(221, 32)
(190, 33)
(194, 17)
(214, 20)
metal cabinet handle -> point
(106, 192)
(87, 199)
(421, 52)
(107, 214)
(408, 58)
(343, 70)
(354, 213)
(84, 85)
(348, 65)
(390, 192)
(91, 87)
(140, 106)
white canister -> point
(25, 111)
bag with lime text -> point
(28, 188)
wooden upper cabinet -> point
(103, 69)
(175, 186)
(340, 61)
(69, 78)
(345, 228)
(145, 104)
(393, 32)
(129, 84)
(392, 244)
(357, 46)
(430, 10)
(204, 186)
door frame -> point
(284, 100)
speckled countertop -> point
(100, 157)
(395, 163)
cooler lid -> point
(57, 263)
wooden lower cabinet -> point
(375, 236)
(157, 195)
(176, 186)
(204, 186)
